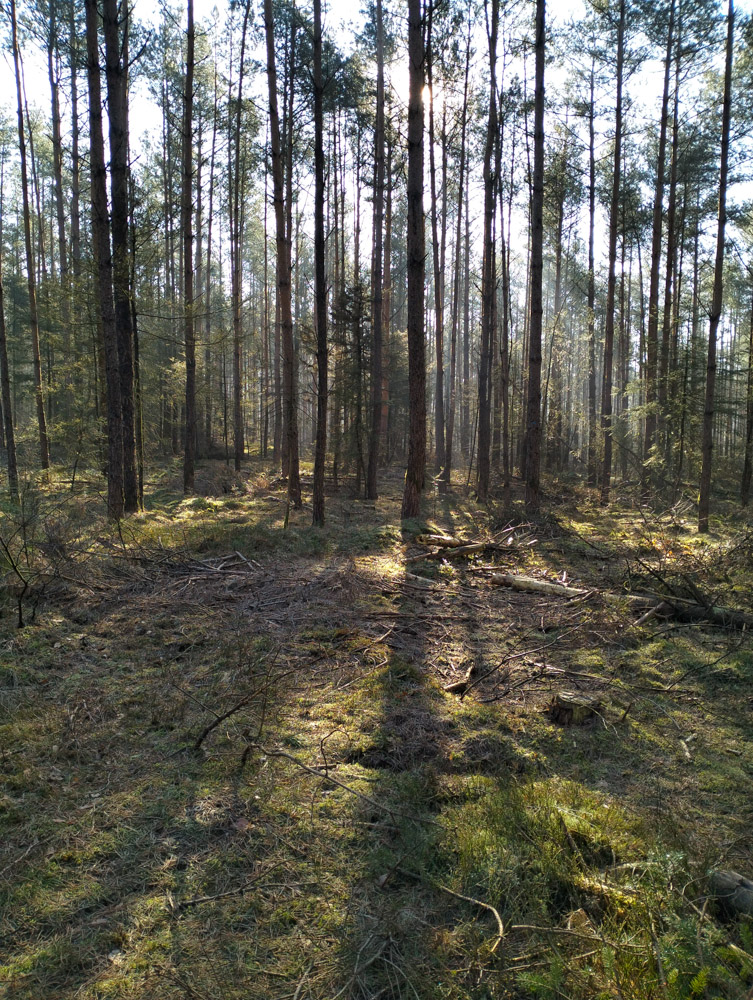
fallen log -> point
(683, 609)
(445, 541)
(532, 585)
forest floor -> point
(230, 764)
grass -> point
(162, 836)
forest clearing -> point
(244, 759)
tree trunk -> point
(377, 320)
(447, 474)
(290, 419)
(748, 460)
(320, 287)
(103, 261)
(652, 333)
(592, 440)
(707, 440)
(236, 258)
(533, 413)
(186, 223)
(614, 208)
(439, 423)
(116, 61)
(415, 472)
(488, 279)
(44, 448)
(10, 439)
(57, 167)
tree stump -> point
(733, 893)
(570, 708)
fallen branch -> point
(183, 904)
(485, 906)
(576, 934)
(531, 585)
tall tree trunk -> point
(439, 457)
(532, 450)
(747, 475)
(208, 437)
(591, 335)
(186, 223)
(377, 323)
(103, 261)
(663, 390)
(707, 440)
(236, 256)
(44, 448)
(447, 474)
(614, 211)
(652, 333)
(416, 468)
(290, 418)
(488, 278)
(8, 430)
(75, 157)
(57, 168)
(116, 61)
(320, 287)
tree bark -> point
(44, 447)
(488, 278)
(652, 333)
(614, 209)
(439, 421)
(377, 321)
(103, 261)
(186, 222)
(447, 474)
(116, 62)
(415, 472)
(320, 287)
(533, 412)
(707, 440)
(290, 418)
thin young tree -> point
(447, 474)
(652, 332)
(489, 277)
(186, 223)
(707, 440)
(284, 299)
(44, 446)
(416, 266)
(8, 429)
(377, 322)
(614, 213)
(320, 288)
(532, 449)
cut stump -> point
(569, 708)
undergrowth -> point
(230, 767)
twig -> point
(566, 931)
(183, 904)
(18, 860)
(485, 906)
(302, 980)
